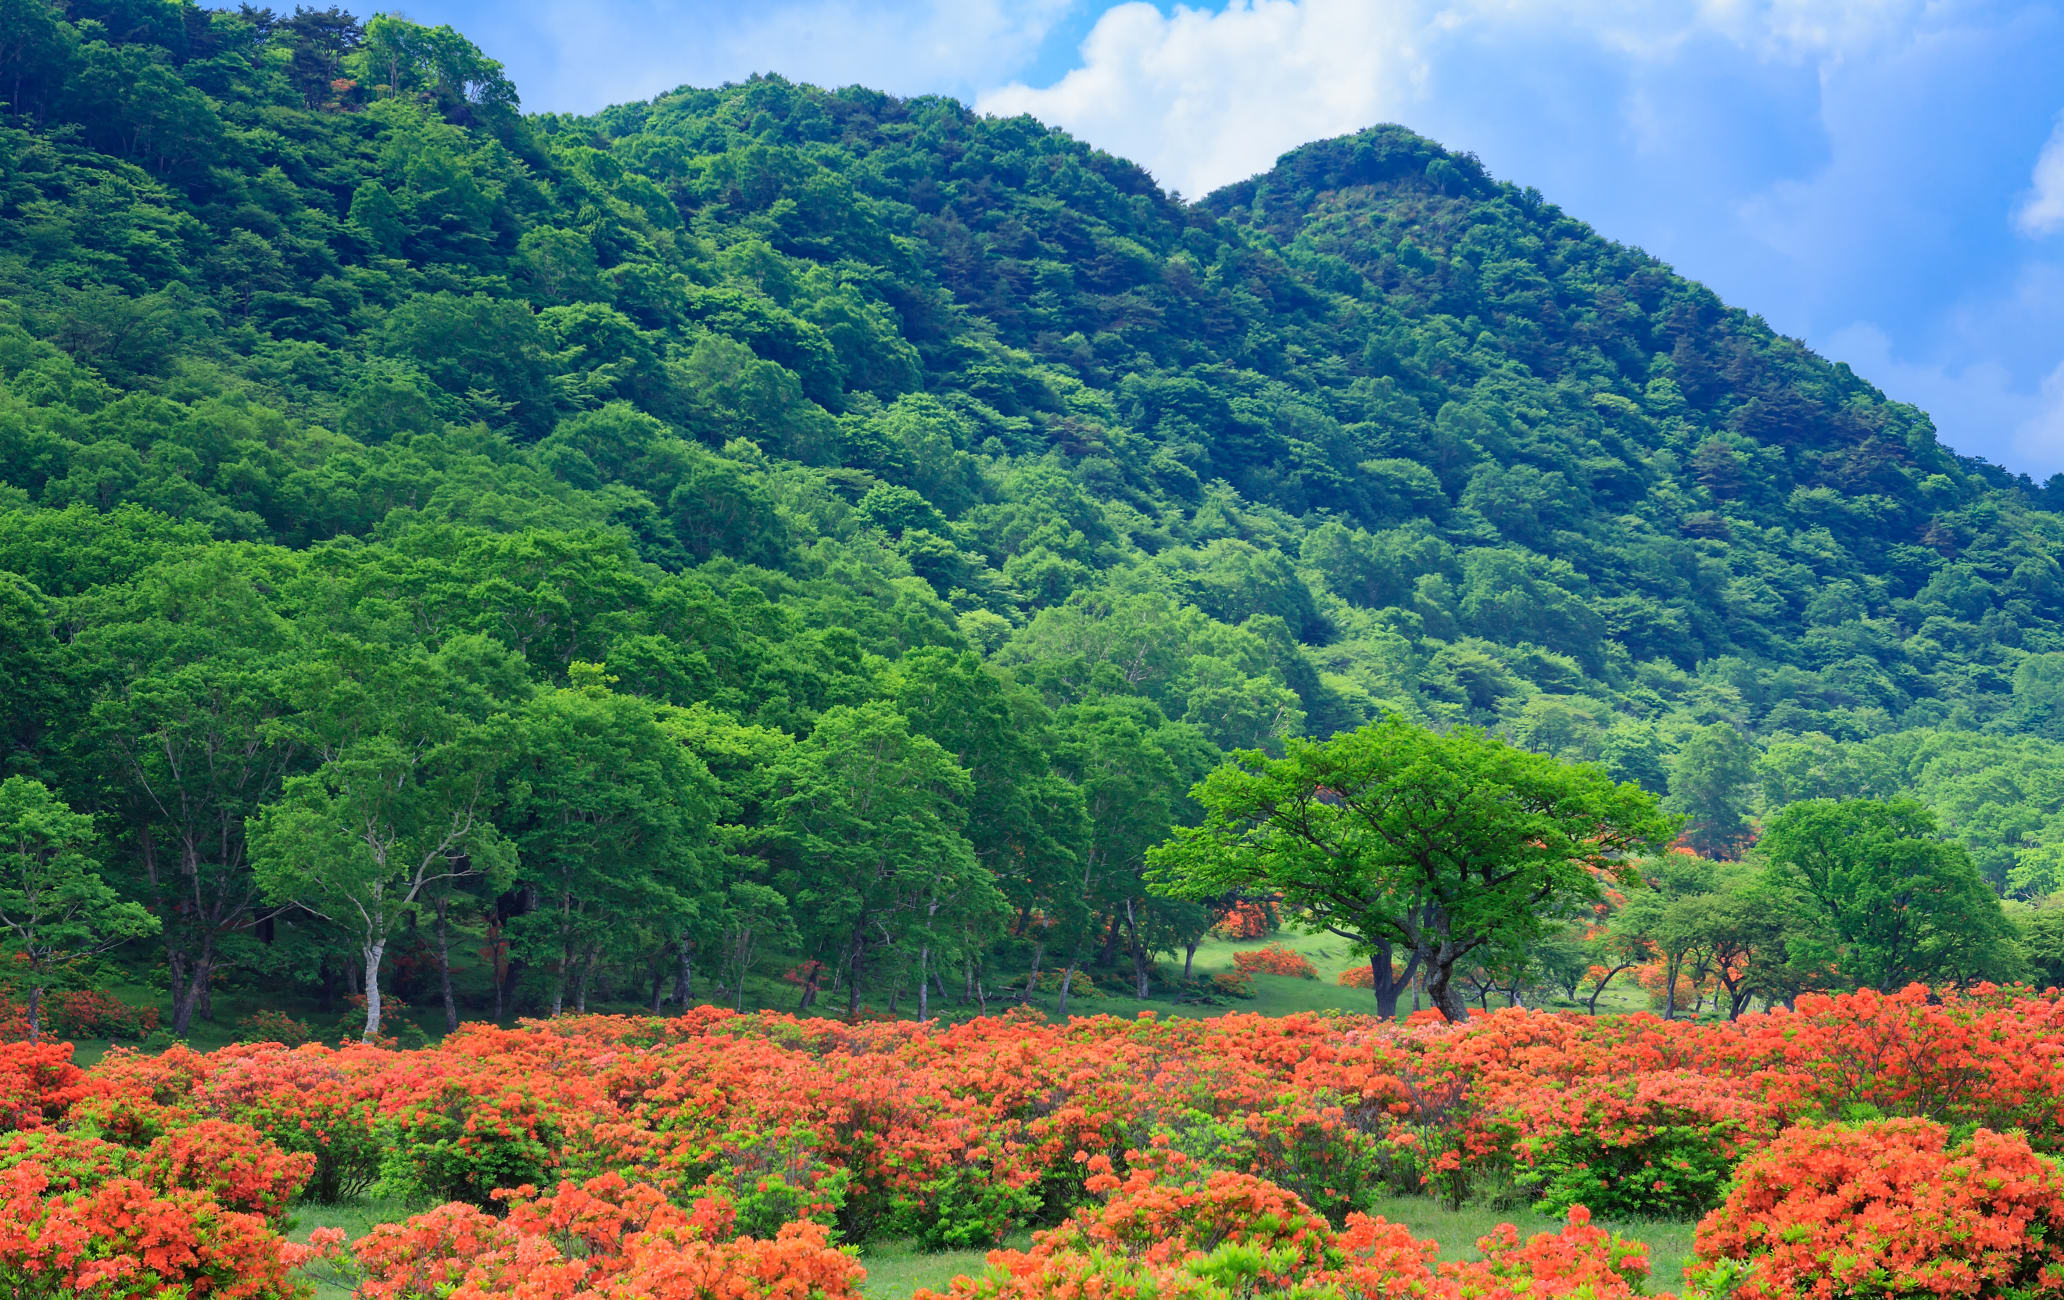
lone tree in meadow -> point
(54, 907)
(1451, 847)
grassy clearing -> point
(896, 1270)
(1669, 1241)
(356, 1218)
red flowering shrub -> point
(716, 1151)
(123, 1238)
(1893, 1208)
(1169, 1232)
(1361, 976)
(91, 1013)
(38, 1082)
(233, 1163)
(1274, 960)
(1246, 921)
(70, 1162)
(1659, 1144)
(604, 1238)
(307, 1100)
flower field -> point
(1860, 1145)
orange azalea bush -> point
(1168, 1230)
(1363, 976)
(1246, 920)
(603, 1238)
(711, 1154)
(1274, 960)
(1890, 1208)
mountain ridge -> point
(764, 405)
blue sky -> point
(1883, 178)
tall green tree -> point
(1454, 846)
(1128, 764)
(611, 816)
(55, 909)
(1712, 779)
(873, 817)
(1903, 905)
(403, 804)
(191, 672)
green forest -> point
(773, 545)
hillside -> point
(753, 442)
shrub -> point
(303, 1100)
(1247, 921)
(1360, 976)
(1274, 960)
(229, 1161)
(461, 1145)
(1889, 1208)
(273, 1027)
(1079, 987)
(604, 1237)
(1659, 1145)
(124, 1238)
(90, 1013)
(38, 1083)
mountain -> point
(773, 401)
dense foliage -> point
(767, 525)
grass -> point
(356, 1218)
(1669, 1241)
(897, 1269)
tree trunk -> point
(587, 977)
(201, 975)
(451, 1005)
(1142, 969)
(1386, 984)
(924, 1000)
(1440, 984)
(684, 982)
(373, 952)
(1038, 951)
(186, 998)
(1110, 949)
(856, 967)
(1670, 966)
(810, 971)
(35, 1013)
(1066, 980)
(1596, 993)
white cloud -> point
(2039, 440)
(2042, 211)
(1202, 98)
(1977, 406)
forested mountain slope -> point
(744, 445)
